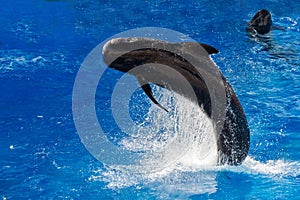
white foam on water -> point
(270, 168)
(184, 139)
(185, 134)
(195, 170)
(17, 62)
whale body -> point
(233, 140)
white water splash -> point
(17, 62)
(185, 135)
(271, 168)
(195, 170)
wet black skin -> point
(234, 139)
(260, 23)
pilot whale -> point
(120, 54)
(262, 23)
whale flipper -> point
(147, 89)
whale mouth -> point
(117, 47)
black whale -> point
(260, 23)
(233, 141)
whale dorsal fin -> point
(209, 49)
(193, 45)
(147, 89)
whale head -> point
(261, 22)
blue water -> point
(42, 45)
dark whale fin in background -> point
(147, 89)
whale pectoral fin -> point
(147, 89)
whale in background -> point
(234, 139)
(260, 23)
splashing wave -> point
(195, 170)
